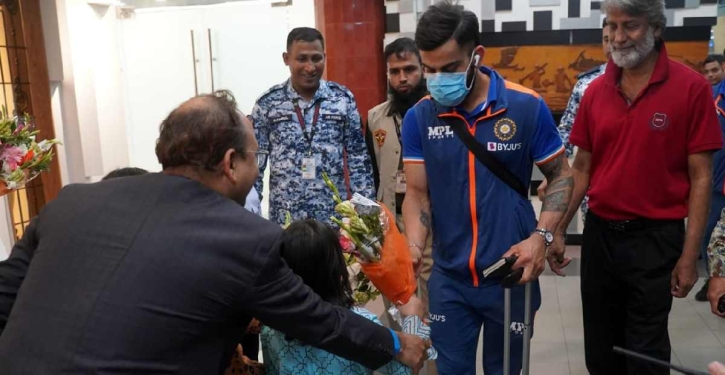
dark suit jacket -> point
(157, 274)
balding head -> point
(200, 131)
(206, 138)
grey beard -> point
(630, 59)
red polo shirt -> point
(639, 151)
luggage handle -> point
(507, 331)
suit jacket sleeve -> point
(14, 269)
(283, 302)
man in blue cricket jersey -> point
(716, 206)
(476, 218)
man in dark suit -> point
(161, 273)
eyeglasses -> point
(261, 157)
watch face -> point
(549, 237)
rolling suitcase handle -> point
(507, 331)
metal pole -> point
(527, 329)
(507, 331)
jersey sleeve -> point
(412, 142)
(546, 143)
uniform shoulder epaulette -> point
(588, 72)
(271, 90)
(334, 86)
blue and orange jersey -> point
(476, 216)
(718, 160)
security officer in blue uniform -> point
(310, 126)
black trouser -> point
(626, 299)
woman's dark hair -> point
(445, 21)
(199, 132)
(312, 250)
(125, 172)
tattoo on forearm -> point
(560, 188)
(425, 218)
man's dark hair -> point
(445, 21)
(313, 251)
(125, 172)
(714, 58)
(200, 131)
(305, 34)
(401, 47)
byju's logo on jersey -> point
(495, 146)
(440, 132)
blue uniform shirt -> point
(477, 217)
(718, 159)
(338, 131)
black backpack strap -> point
(485, 157)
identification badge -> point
(309, 168)
(400, 182)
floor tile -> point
(549, 352)
(574, 335)
(695, 338)
(549, 369)
(699, 358)
(578, 368)
(693, 320)
(575, 352)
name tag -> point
(280, 119)
(400, 184)
(332, 117)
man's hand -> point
(715, 290)
(413, 307)
(530, 253)
(416, 255)
(412, 351)
(555, 255)
(541, 190)
(684, 277)
(716, 368)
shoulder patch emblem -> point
(380, 137)
(505, 129)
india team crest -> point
(505, 129)
(380, 137)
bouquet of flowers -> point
(21, 157)
(369, 234)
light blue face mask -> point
(450, 89)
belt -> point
(632, 225)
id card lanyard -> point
(301, 119)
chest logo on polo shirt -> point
(659, 121)
(379, 136)
(440, 132)
(505, 129)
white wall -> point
(87, 59)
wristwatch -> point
(548, 236)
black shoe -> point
(702, 294)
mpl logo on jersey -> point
(440, 132)
(496, 147)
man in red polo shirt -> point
(646, 131)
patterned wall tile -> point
(513, 26)
(500, 15)
(503, 5)
(392, 23)
(405, 6)
(488, 10)
(539, 3)
(574, 9)
(543, 20)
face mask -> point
(450, 89)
